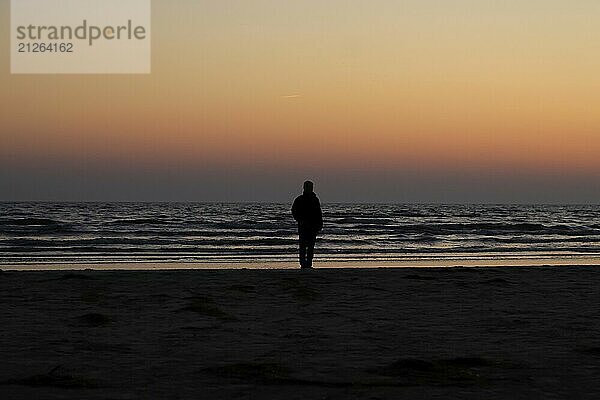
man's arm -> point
(319, 216)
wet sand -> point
(452, 333)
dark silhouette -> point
(307, 212)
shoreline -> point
(287, 265)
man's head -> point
(308, 187)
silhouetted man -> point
(307, 212)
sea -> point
(265, 234)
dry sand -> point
(449, 333)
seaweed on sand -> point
(56, 377)
(73, 276)
(446, 372)
(243, 288)
(94, 320)
(589, 350)
(300, 290)
(250, 371)
(206, 306)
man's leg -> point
(310, 250)
(302, 247)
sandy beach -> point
(452, 333)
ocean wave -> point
(34, 226)
(99, 231)
(29, 222)
(139, 221)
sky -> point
(454, 101)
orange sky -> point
(383, 85)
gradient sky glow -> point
(408, 101)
